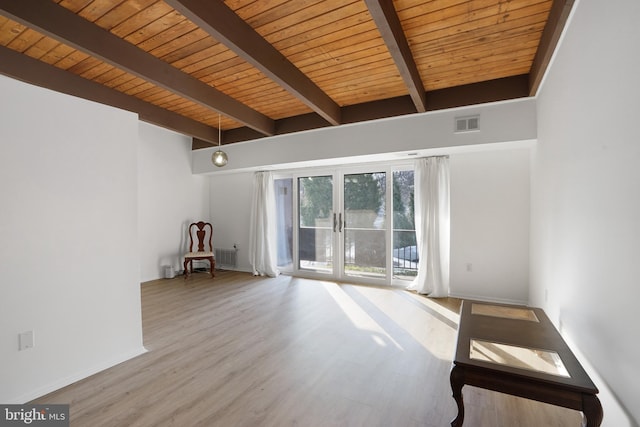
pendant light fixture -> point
(219, 158)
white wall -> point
(586, 207)
(505, 183)
(374, 141)
(69, 264)
(490, 225)
(489, 214)
(170, 198)
(231, 213)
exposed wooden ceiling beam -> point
(388, 23)
(228, 28)
(65, 26)
(560, 10)
(21, 67)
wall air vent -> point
(467, 124)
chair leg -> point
(212, 263)
(186, 269)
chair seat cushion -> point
(198, 254)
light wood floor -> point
(243, 351)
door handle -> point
(340, 223)
(335, 222)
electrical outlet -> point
(25, 340)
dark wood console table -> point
(517, 350)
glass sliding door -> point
(348, 223)
(364, 225)
(316, 224)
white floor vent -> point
(226, 258)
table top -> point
(517, 341)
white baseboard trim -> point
(63, 382)
(615, 414)
(488, 299)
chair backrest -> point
(200, 232)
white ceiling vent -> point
(467, 123)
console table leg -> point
(592, 410)
(457, 382)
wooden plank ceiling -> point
(266, 67)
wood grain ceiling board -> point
(386, 18)
(331, 42)
(32, 43)
(336, 44)
(223, 24)
(465, 41)
(158, 29)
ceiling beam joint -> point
(558, 15)
(390, 27)
(65, 26)
(224, 25)
(29, 70)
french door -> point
(354, 224)
(317, 224)
(342, 225)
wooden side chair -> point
(202, 232)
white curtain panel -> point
(262, 233)
(432, 226)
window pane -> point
(364, 224)
(284, 209)
(315, 199)
(405, 250)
